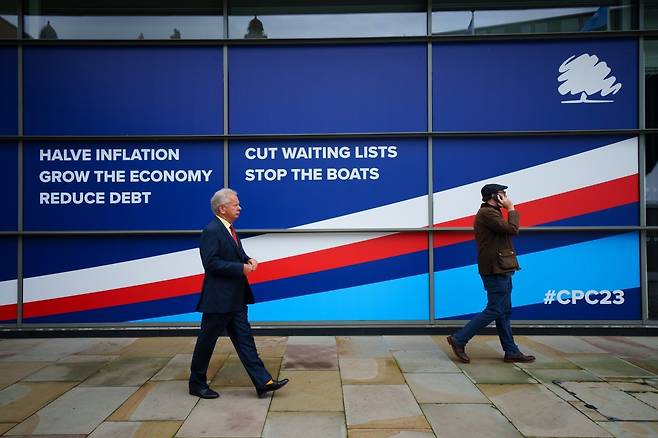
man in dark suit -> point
(224, 298)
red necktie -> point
(233, 233)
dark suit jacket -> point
(225, 287)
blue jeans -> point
(499, 309)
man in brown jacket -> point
(496, 265)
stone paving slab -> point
(650, 398)
(634, 387)
(312, 340)
(650, 365)
(537, 412)
(467, 420)
(310, 357)
(567, 344)
(127, 371)
(385, 433)
(309, 391)
(630, 429)
(136, 429)
(444, 388)
(169, 400)
(51, 350)
(79, 411)
(562, 375)
(495, 373)
(232, 372)
(271, 346)
(178, 368)
(159, 347)
(479, 348)
(305, 425)
(411, 343)
(10, 347)
(589, 411)
(12, 372)
(20, 400)
(424, 362)
(370, 371)
(4, 427)
(623, 346)
(382, 407)
(608, 366)
(111, 346)
(71, 369)
(236, 413)
(362, 346)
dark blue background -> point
(497, 86)
(328, 89)
(8, 91)
(49, 255)
(289, 203)
(123, 90)
(8, 260)
(171, 206)
(461, 161)
(9, 184)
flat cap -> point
(490, 189)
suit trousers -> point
(239, 331)
(499, 309)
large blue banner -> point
(123, 90)
(8, 91)
(328, 89)
(356, 183)
(9, 184)
(120, 186)
(535, 85)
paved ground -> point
(357, 387)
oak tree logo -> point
(587, 76)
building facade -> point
(357, 134)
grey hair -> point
(221, 197)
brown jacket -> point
(493, 235)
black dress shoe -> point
(458, 350)
(519, 357)
(204, 393)
(276, 384)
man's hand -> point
(253, 263)
(505, 202)
(247, 269)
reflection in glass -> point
(8, 19)
(650, 14)
(121, 19)
(480, 21)
(326, 19)
(651, 83)
(652, 273)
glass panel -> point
(356, 183)
(650, 14)
(651, 179)
(115, 279)
(510, 17)
(652, 272)
(651, 83)
(326, 19)
(123, 90)
(8, 19)
(120, 186)
(563, 276)
(123, 19)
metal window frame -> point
(20, 139)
